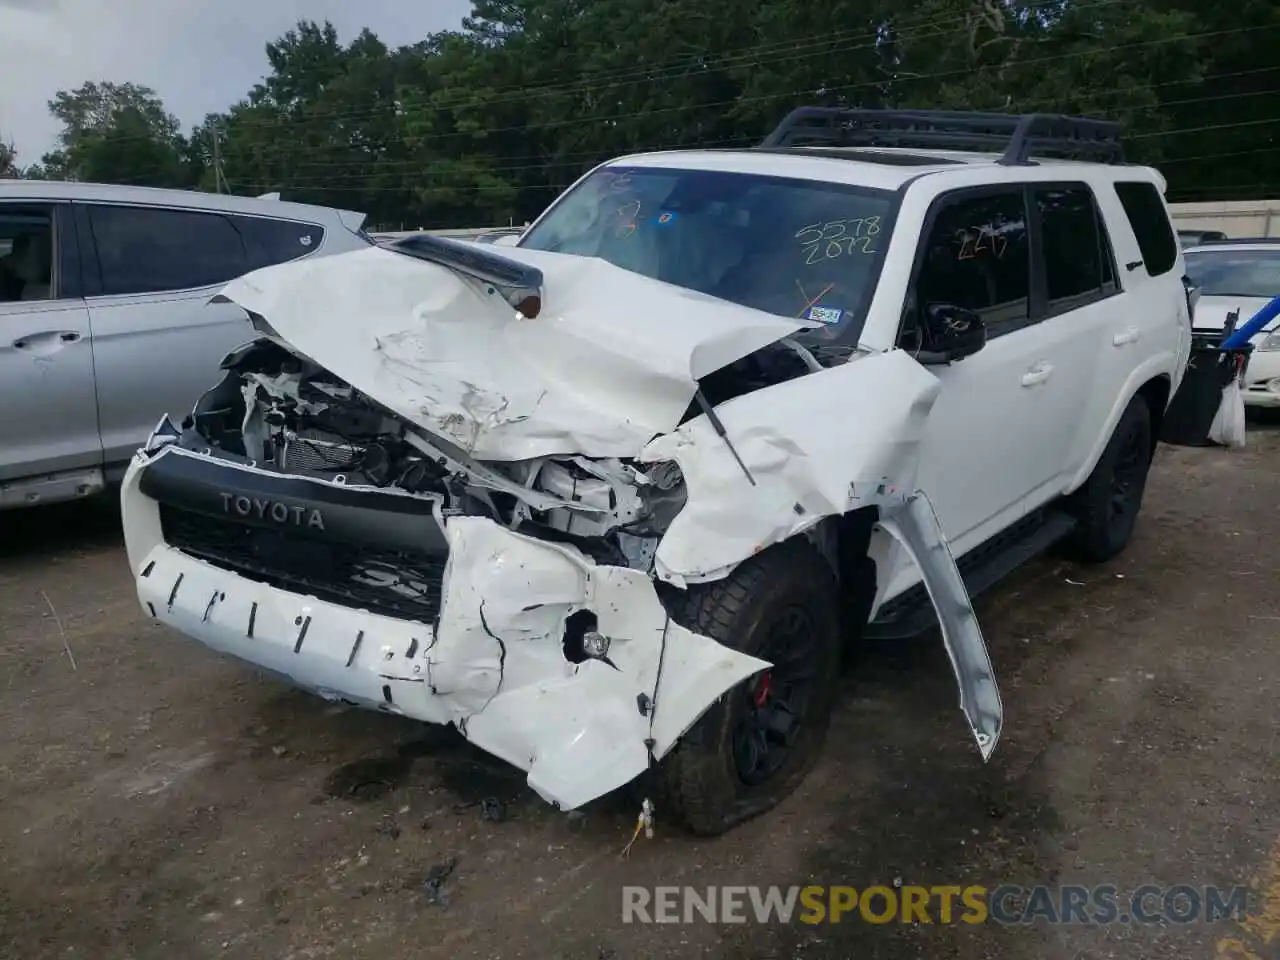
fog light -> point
(595, 645)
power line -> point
(268, 152)
(278, 151)
(327, 185)
(1221, 156)
(746, 56)
(965, 71)
(811, 47)
(538, 160)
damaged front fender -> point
(815, 447)
(820, 446)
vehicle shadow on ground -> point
(43, 533)
(1262, 418)
(372, 756)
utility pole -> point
(219, 178)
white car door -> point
(1149, 326)
(1000, 429)
(50, 420)
(1084, 313)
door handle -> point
(1037, 374)
(1131, 335)
(45, 338)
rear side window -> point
(977, 257)
(1146, 212)
(269, 242)
(149, 250)
(1077, 255)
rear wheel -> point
(757, 742)
(1107, 506)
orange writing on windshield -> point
(838, 238)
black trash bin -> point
(1190, 414)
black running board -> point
(911, 613)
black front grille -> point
(397, 584)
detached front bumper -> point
(493, 659)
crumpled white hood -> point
(611, 360)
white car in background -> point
(1241, 275)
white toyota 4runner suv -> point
(611, 500)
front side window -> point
(796, 248)
(149, 249)
(977, 257)
(26, 253)
(1235, 273)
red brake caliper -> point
(763, 687)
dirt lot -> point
(158, 802)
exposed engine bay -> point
(284, 413)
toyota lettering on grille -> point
(286, 514)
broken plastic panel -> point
(916, 527)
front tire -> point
(1107, 506)
(755, 744)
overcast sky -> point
(199, 55)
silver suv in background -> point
(105, 319)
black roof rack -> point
(869, 156)
(1016, 137)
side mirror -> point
(507, 240)
(950, 333)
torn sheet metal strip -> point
(915, 525)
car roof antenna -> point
(705, 406)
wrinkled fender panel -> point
(818, 446)
(915, 525)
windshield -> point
(1235, 273)
(796, 248)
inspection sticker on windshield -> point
(829, 315)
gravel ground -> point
(156, 801)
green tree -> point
(9, 160)
(1228, 144)
(488, 123)
(325, 126)
(1090, 57)
(116, 133)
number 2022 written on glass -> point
(838, 238)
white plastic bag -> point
(1228, 425)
